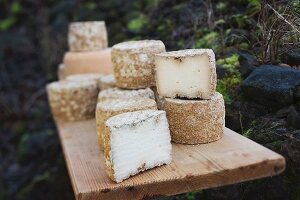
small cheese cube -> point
(113, 93)
(111, 107)
(196, 121)
(133, 63)
(88, 62)
(107, 81)
(87, 36)
(72, 100)
(187, 73)
(136, 141)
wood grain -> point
(232, 159)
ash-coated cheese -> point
(113, 93)
(189, 73)
(88, 62)
(87, 36)
(111, 107)
(107, 81)
(136, 141)
(133, 63)
(196, 121)
(61, 72)
(72, 100)
(85, 77)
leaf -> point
(7, 23)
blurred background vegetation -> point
(244, 34)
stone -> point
(272, 86)
(293, 118)
(292, 57)
(247, 62)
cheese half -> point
(133, 63)
(195, 121)
(72, 100)
(111, 107)
(136, 141)
(187, 73)
(87, 36)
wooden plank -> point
(232, 159)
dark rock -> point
(271, 86)
(292, 57)
(221, 71)
(247, 63)
(293, 118)
(297, 94)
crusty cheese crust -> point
(195, 121)
(133, 63)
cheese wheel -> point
(113, 93)
(72, 100)
(107, 81)
(85, 77)
(136, 141)
(87, 36)
(88, 62)
(61, 72)
(133, 63)
(111, 107)
(196, 121)
(187, 73)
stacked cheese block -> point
(186, 85)
(88, 50)
(133, 134)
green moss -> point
(207, 41)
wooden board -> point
(232, 159)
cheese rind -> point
(111, 107)
(72, 101)
(61, 72)
(187, 73)
(88, 62)
(107, 81)
(136, 141)
(85, 77)
(113, 93)
(196, 121)
(133, 63)
(87, 36)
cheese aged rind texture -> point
(107, 81)
(111, 107)
(85, 77)
(88, 62)
(196, 121)
(87, 36)
(187, 73)
(136, 141)
(72, 100)
(133, 63)
(113, 93)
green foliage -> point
(230, 63)
(221, 6)
(7, 23)
(138, 24)
(208, 41)
(16, 7)
(254, 7)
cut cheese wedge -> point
(113, 93)
(72, 100)
(88, 62)
(187, 73)
(133, 63)
(111, 107)
(195, 121)
(87, 36)
(136, 141)
(107, 81)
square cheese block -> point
(187, 73)
(85, 77)
(87, 36)
(107, 81)
(111, 107)
(136, 141)
(113, 93)
(88, 62)
(72, 100)
(133, 63)
(195, 121)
